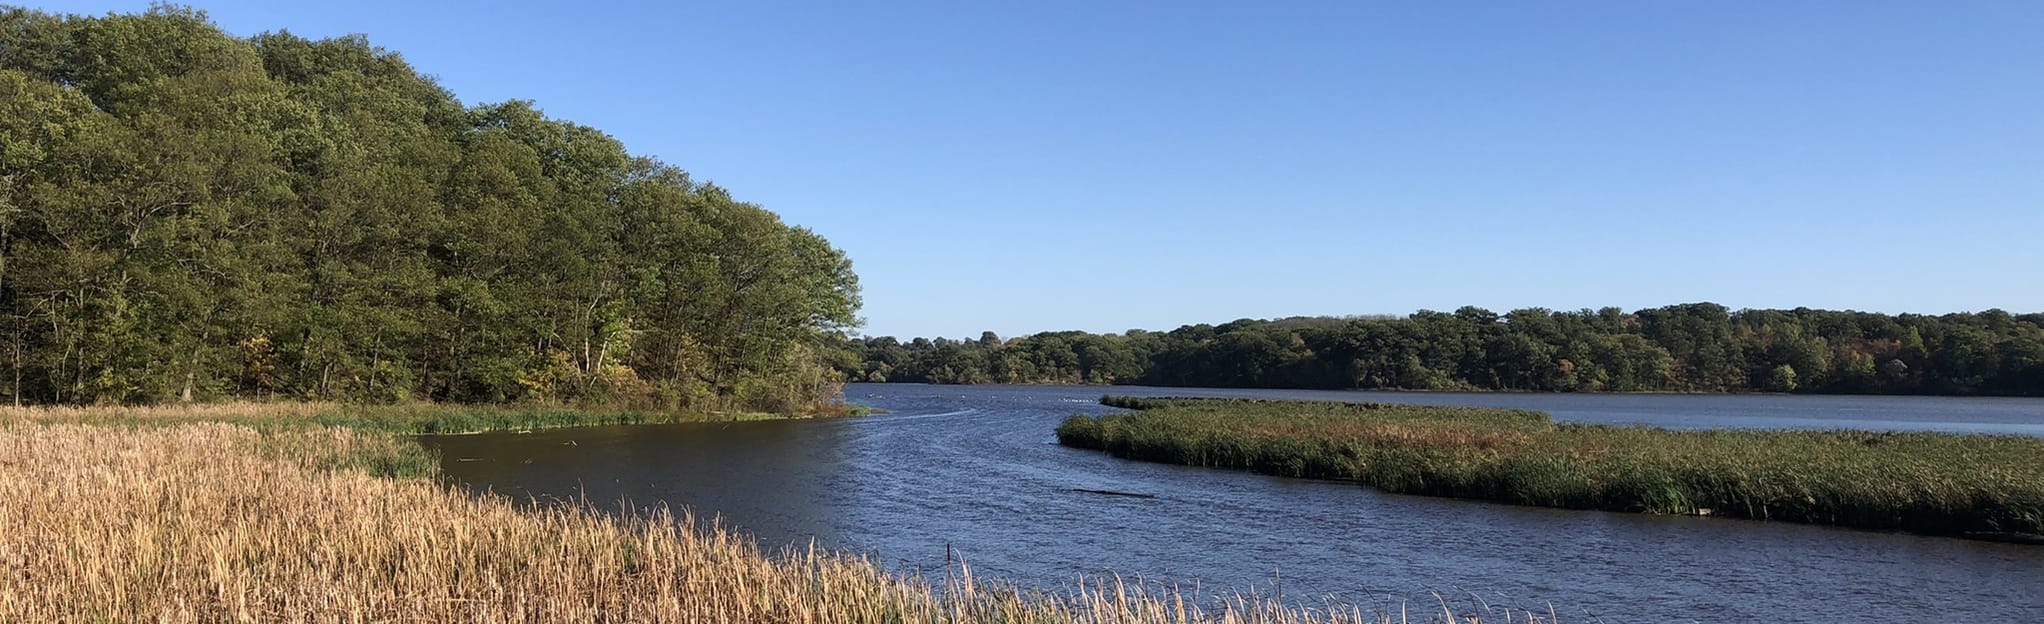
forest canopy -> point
(1699, 347)
(189, 215)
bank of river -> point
(976, 468)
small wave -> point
(897, 417)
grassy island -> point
(1978, 486)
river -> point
(976, 470)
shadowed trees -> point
(1699, 347)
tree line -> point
(1699, 347)
(187, 215)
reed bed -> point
(1979, 486)
(405, 418)
(177, 412)
(220, 522)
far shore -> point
(1457, 391)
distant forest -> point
(186, 215)
(1700, 347)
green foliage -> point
(1782, 379)
(1923, 482)
(1685, 348)
(376, 453)
(186, 216)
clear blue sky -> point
(1030, 166)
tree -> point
(1689, 347)
(187, 215)
(1782, 379)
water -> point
(976, 468)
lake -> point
(976, 470)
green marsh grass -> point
(1982, 486)
(403, 418)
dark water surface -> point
(977, 468)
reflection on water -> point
(977, 469)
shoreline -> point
(1459, 391)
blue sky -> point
(1031, 166)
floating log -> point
(1114, 493)
(2012, 538)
